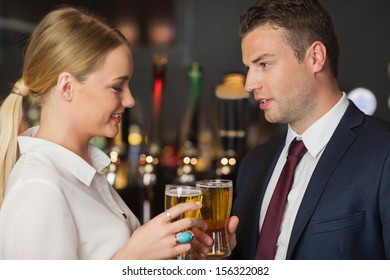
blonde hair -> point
(66, 40)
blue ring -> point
(184, 237)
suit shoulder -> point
(377, 124)
(267, 148)
(376, 131)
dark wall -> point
(363, 29)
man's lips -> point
(264, 100)
(264, 103)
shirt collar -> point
(319, 133)
(77, 166)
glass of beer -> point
(175, 194)
(215, 211)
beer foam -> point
(181, 192)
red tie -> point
(266, 246)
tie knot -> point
(297, 149)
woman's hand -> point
(157, 238)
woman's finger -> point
(175, 211)
(181, 248)
(186, 223)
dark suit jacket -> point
(345, 212)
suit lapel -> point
(333, 153)
(257, 187)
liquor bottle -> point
(159, 66)
(189, 154)
(232, 98)
(149, 159)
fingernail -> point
(198, 203)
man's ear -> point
(64, 86)
(318, 56)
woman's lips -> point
(116, 118)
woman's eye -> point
(117, 89)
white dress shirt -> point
(315, 139)
(58, 206)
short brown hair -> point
(305, 21)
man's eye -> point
(264, 65)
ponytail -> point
(10, 119)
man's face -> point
(277, 79)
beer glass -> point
(175, 194)
(217, 204)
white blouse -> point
(58, 206)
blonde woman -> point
(57, 202)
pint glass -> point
(217, 204)
(175, 194)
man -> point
(339, 203)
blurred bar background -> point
(193, 119)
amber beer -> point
(175, 194)
(217, 204)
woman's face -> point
(101, 100)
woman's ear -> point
(318, 56)
(64, 86)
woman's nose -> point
(128, 100)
